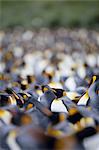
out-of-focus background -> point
(48, 13)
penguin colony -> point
(49, 92)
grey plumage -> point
(47, 98)
(94, 97)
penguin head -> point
(30, 79)
(45, 88)
(47, 74)
(11, 91)
(7, 100)
(59, 92)
(57, 117)
(74, 115)
(24, 84)
(94, 79)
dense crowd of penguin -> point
(49, 100)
